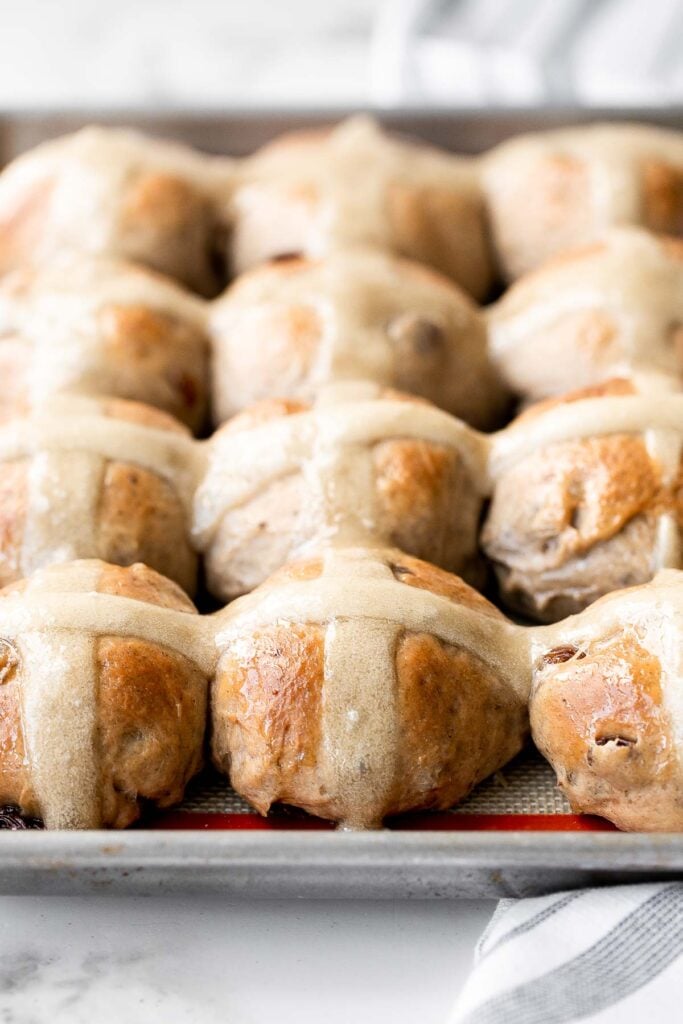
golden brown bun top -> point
(407, 570)
(615, 386)
(136, 581)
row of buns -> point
(579, 495)
(356, 685)
(100, 326)
(197, 218)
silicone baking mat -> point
(523, 796)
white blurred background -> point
(310, 53)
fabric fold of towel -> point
(598, 955)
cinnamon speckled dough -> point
(116, 192)
(98, 326)
(606, 712)
(555, 190)
(614, 307)
(440, 718)
(149, 707)
(576, 519)
(423, 500)
(288, 328)
(311, 192)
(133, 514)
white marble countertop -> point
(105, 959)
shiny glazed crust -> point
(456, 722)
(150, 712)
(599, 714)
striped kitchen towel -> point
(607, 956)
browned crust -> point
(150, 346)
(415, 573)
(263, 412)
(662, 197)
(559, 506)
(459, 723)
(599, 717)
(543, 211)
(428, 505)
(445, 229)
(612, 387)
(141, 414)
(161, 204)
(142, 519)
(151, 719)
(21, 223)
(15, 783)
(266, 704)
(151, 711)
(143, 584)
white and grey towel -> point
(606, 956)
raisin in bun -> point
(365, 684)
(102, 695)
(285, 476)
(314, 191)
(102, 327)
(114, 192)
(586, 497)
(606, 708)
(612, 308)
(95, 478)
(555, 190)
(286, 329)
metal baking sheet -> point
(514, 836)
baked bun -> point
(360, 463)
(287, 328)
(114, 192)
(101, 327)
(314, 191)
(606, 708)
(612, 308)
(95, 478)
(102, 704)
(586, 497)
(556, 190)
(362, 685)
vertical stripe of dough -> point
(62, 511)
(59, 691)
(360, 732)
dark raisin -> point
(618, 741)
(559, 654)
(285, 257)
(423, 335)
(11, 818)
